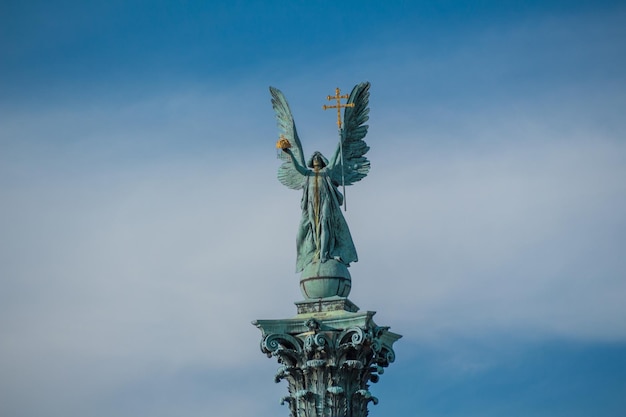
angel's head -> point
(317, 161)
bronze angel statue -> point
(323, 234)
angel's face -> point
(317, 162)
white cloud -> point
(148, 234)
(522, 238)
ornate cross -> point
(338, 106)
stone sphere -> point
(325, 279)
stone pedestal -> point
(329, 353)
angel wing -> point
(355, 164)
(287, 173)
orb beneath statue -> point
(325, 279)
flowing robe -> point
(323, 233)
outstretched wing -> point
(287, 172)
(355, 164)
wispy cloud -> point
(143, 231)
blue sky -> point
(143, 227)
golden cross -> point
(338, 106)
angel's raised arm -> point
(288, 173)
(301, 169)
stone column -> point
(329, 353)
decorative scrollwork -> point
(354, 336)
(316, 342)
(376, 345)
(390, 356)
(270, 343)
(379, 330)
(329, 371)
(274, 342)
(357, 336)
(321, 340)
(309, 343)
(385, 356)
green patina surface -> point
(329, 352)
(323, 233)
(328, 358)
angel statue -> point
(323, 234)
